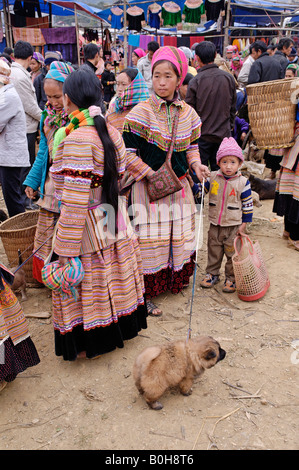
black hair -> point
(84, 89)
(106, 63)
(206, 51)
(259, 46)
(90, 51)
(8, 50)
(23, 50)
(284, 42)
(6, 56)
(187, 79)
(271, 47)
(153, 46)
(131, 72)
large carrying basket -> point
(17, 233)
(272, 111)
(251, 276)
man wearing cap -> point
(212, 93)
(293, 56)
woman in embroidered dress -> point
(53, 117)
(89, 161)
(166, 227)
(131, 89)
(17, 350)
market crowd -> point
(87, 147)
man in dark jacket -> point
(108, 82)
(282, 53)
(39, 88)
(91, 56)
(265, 68)
(212, 93)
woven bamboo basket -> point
(272, 111)
(17, 233)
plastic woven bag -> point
(251, 275)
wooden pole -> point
(225, 43)
(77, 35)
(5, 16)
(125, 36)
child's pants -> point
(220, 242)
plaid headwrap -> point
(59, 71)
(175, 56)
(63, 279)
(137, 91)
(38, 57)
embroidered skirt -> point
(110, 307)
(17, 350)
(168, 254)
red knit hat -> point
(229, 147)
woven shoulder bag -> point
(164, 181)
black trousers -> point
(11, 182)
(208, 151)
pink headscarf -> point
(175, 56)
(139, 52)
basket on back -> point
(17, 233)
(272, 112)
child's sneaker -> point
(209, 280)
(229, 286)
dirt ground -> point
(249, 401)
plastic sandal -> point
(209, 280)
(151, 307)
(229, 286)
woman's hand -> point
(63, 260)
(201, 171)
(30, 193)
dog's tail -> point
(142, 362)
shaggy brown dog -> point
(158, 368)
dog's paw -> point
(155, 405)
(186, 393)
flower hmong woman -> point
(131, 89)
(93, 227)
(166, 227)
(39, 177)
(17, 350)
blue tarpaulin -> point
(260, 13)
(64, 8)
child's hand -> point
(242, 229)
